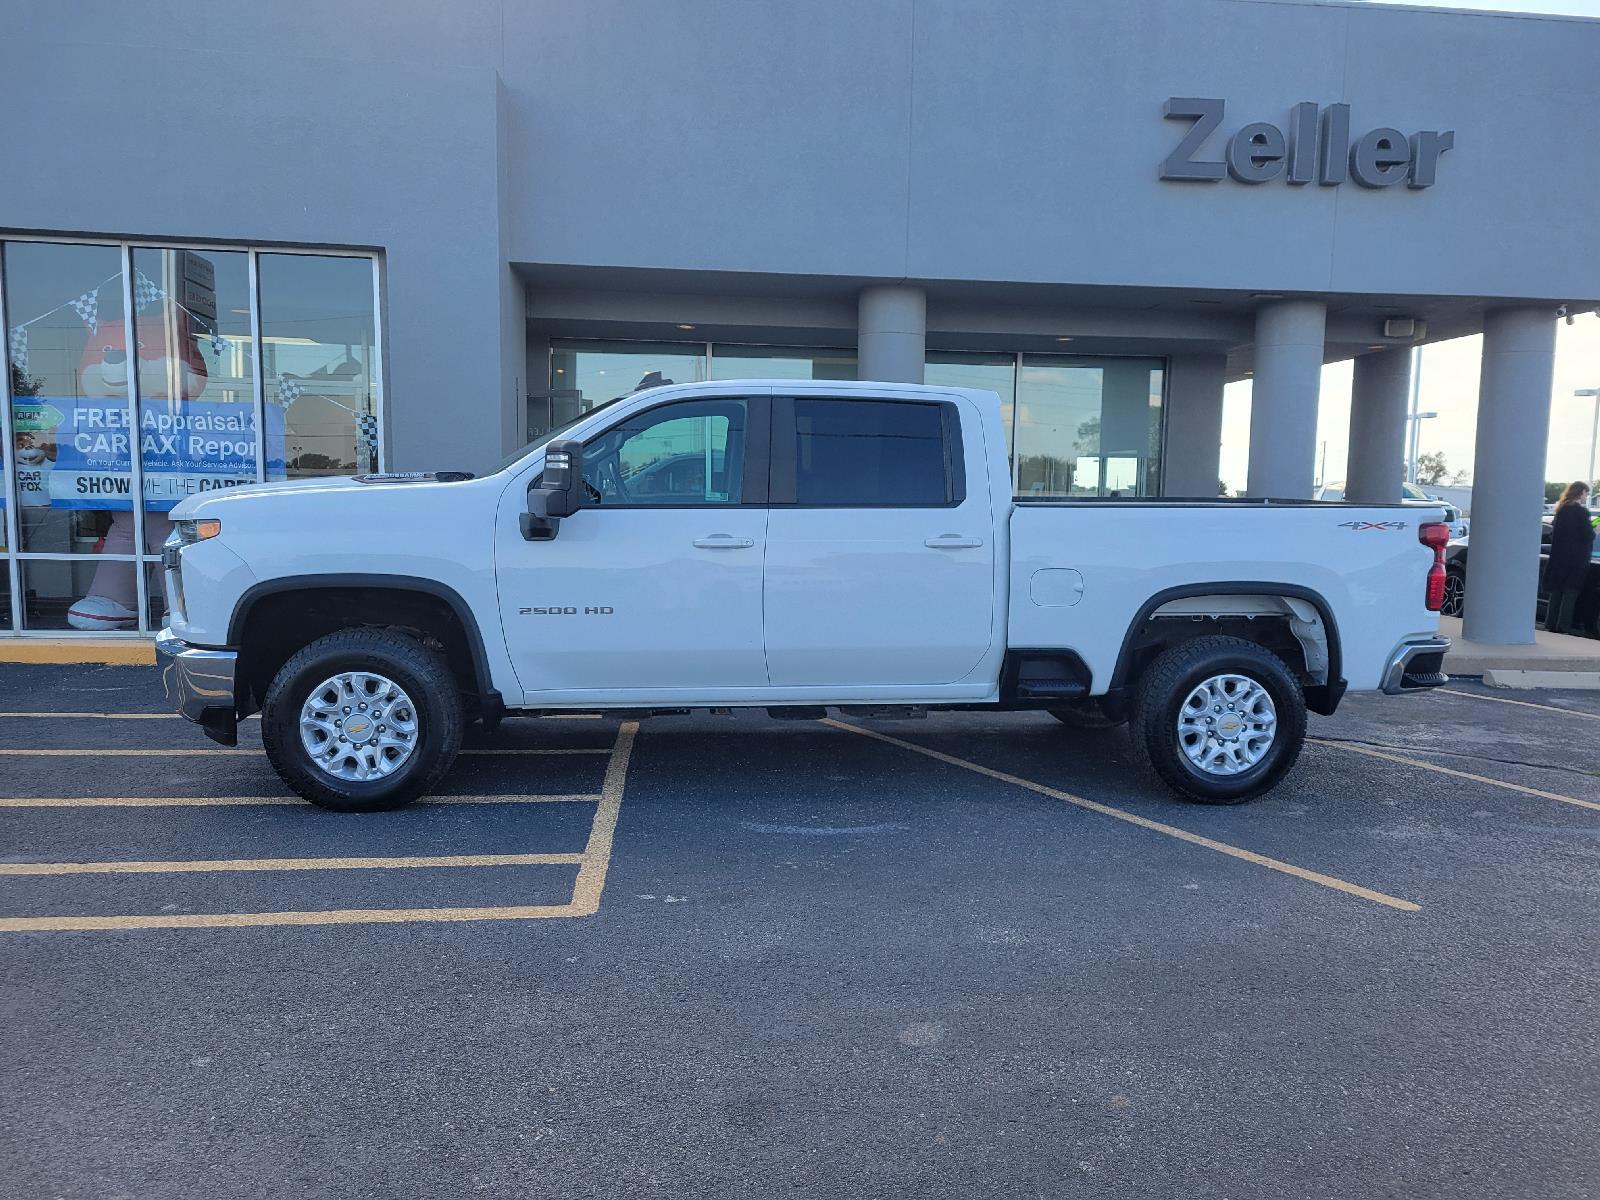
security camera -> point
(1562, 312)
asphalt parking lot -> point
(727, 956)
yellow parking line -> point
(1451, 771)
(185, 866)
(592, 867)
(1570, 712)
(1183, 835)
(597, 853)
(337, 916)
(224, 801)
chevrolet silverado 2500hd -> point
(788, 546)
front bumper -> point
(1416, 665)
(200, 685)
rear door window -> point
(868, 454)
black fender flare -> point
(489, 699)
(1320, 698)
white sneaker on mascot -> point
(101, 612)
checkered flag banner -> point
(87, 306)
(367, 431)
(220, 345)
(145, 292)
(288, 390)
(19, 348)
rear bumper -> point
(200, 685)
(1416, 665)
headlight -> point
(189, 532)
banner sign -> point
(75, 452)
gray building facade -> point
(419, 235)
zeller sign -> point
(1317, 149)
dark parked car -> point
(1587, 617)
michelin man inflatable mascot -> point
(112, 602)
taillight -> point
(1435, 536)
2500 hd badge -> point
(567, 610)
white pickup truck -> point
(787, 546)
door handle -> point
(724, 541)
(952, 541)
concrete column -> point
(892, 334)
(1519, 358)
(1283, 411)
(1193, 447)
(1378, 403)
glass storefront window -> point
(1088, 426)
(992, 372)
(69, 394)
(79, 454)
(319, 364)
(587, 374)
(781, 362)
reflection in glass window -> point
(69, 395)
(319, 364)
(781, 362)
(1088, 426)
(586, 374)
(993, 372)
(869, 453)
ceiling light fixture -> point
(685, 326)
(1063, 339)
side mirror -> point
(560, 494)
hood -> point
(189, 507)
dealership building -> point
(367, 234)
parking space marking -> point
(1451, 771)
(1172, 831)
(225, 801)
(593, 862)
(1571, 712)
(99, 716)
(202, 865)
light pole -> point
(1594, 430)
(1416, 419)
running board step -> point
(797, 712)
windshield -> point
(517, 456)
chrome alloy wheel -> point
(358, 726)
(1227, 724)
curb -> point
(111, 652)
(1587, 681)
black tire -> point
(1455, 592)
(418, 669)
(1167, 684)
(1091, 712)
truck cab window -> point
(679, 454)
(870, 453)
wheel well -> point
(276, 626)
(1291, 627)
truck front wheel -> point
(362, 720)
(1219, 719)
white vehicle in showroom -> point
(787, 546)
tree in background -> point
(1432, 467)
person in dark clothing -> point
(1571, 545)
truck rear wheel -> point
(363, 720)
(1219, 719)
